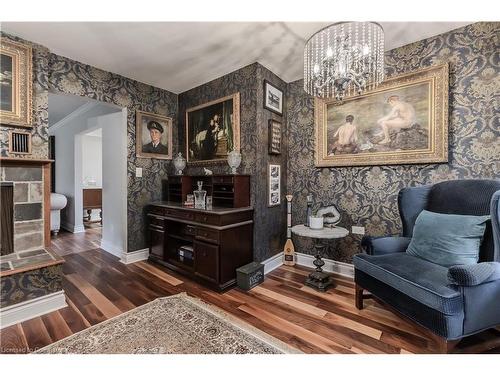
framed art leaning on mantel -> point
(403, 121)
(15, 83)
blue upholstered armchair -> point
(451, 302)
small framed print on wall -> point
(273, 98)
(274, 179)
(274, 137)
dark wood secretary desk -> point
(221, 239)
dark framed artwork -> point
(274, 137)
(153, 135)
(274, 182)
(213, 130)
(15, 83)
(403, 121)
(273, 98)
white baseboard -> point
(134, 256)
(31, 309)
(111, 248)
(73, 228)
(306, 260)
(332, 266)
(272, 263)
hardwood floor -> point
(68, 243)
(99, 287)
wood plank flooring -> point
(99, 287)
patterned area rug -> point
(173, 325)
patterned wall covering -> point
(72, 77)
(248, 81)
(368, 195)
(65, 76)
(40, 99)
(270, 228)
(27, 285)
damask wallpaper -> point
(40, 118)
(62, 75)
(367, 196)
(269, 226)
(72, 77)
(27, 285)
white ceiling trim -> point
(77, 112)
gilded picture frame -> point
(16, 83)
(213, 130)
(153, 136)
(403, 121)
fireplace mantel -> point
(24, 161)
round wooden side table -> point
(318, 279)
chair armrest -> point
(384, 245)
(474, 274)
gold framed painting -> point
(15, 83)
(403, 121)
(153, 135)
(213, 130)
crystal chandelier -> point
(343, 59)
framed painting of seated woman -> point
(403, 121)
(213, 130)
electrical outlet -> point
(138, 172)
(358, 230)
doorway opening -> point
(89, 185)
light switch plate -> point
(358, 230)
(138, 172)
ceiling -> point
(61, 106)
(95, 133)
(178, 56)
(65, 108)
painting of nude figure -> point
(404, 121)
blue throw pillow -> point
(447, 240)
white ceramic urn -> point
(179, 163)
(234, 160)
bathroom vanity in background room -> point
(205, 245)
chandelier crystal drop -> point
(344, 59)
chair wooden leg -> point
(446, 346)
(359, 297)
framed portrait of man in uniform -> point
(153, 135)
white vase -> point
(234, 160)
(316, 222)
(179, 163)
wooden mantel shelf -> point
(24, 161)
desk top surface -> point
(214, 210)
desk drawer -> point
(207, 219)
(185, 215)
(156, 210)
(156, 221)
(189, 230)
(204, 234)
